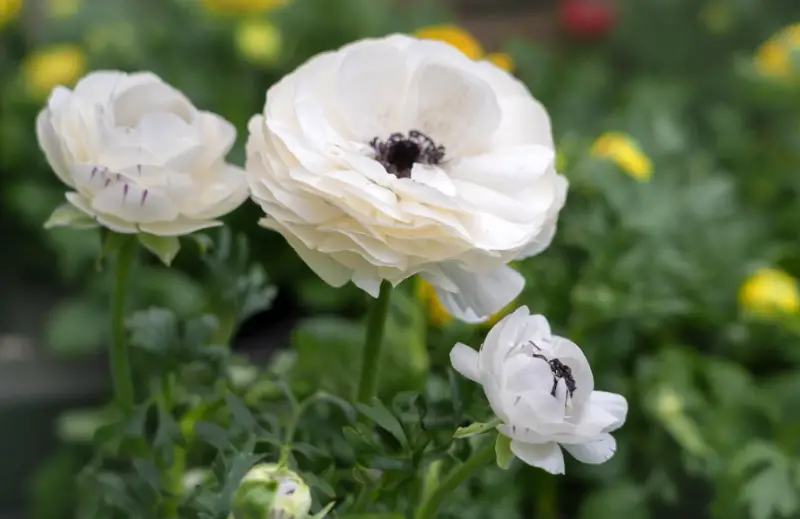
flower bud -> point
(270, 491)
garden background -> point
(678, 126)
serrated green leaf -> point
(382, 417)
(67, 215)
(164, 247)
(502, 449)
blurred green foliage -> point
(644, 275)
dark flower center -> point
(560, 372)
(399, 153)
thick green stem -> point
(118, 354)
(432, 501)
(368, 385)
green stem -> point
(118, 354)
(458, 475)
(368, 385)
(546, 506)
(172, 474)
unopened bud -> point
(271, 491)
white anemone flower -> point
(138, 156)
(541, 387)
(397, 156)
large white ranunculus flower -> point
(541, 387)
(139, 156)
(398, 156)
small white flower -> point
(139, 156)
(541, 387)
(397, 156)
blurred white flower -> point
(541, 387)
(270, 491)
(139, 156)
(398, 156)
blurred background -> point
(678, 125)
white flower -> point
(397, 156)
(139, 156)
(271, 491)
(541, 387)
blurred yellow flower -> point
(773, 58)
(62, 9)
(243, 6)
(426, 294)
(770, 292)
(9, 10)
(466, 43)
(455, 36)
(625, 152)
(49, 67)
(258, 41)
(502, 60)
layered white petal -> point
(546, 456)
(139, 155)
(465, 360)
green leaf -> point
(213, 435)
(379, 414)
(148, 471)
(155, 330)
(240, 415)
(203, 241)
(502, 449)
(322, 513)
(771, 493)
(67, 215)
(476, 428)
(167, 435)
(165, 247)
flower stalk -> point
(368, 383)
(433, 500)
(118, 354)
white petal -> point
(540, 242)
(99, 85)
(593, 452)
(51, 146)
(131, 203)
(331, 272)
(505, 169)
(482, 295)
(455, 109)
(370, 88)
(524, 121)
(227, 191)
(167, 135)
(465, 360)
(150, 96)
(547, 456)
(613, 404)
(178, 227)
(434, 178)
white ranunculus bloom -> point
(541, 387)
(138, 156)
(270, 491)
(397, 156)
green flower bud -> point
(271, 491)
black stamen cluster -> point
(399, 152)
(560, 372)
